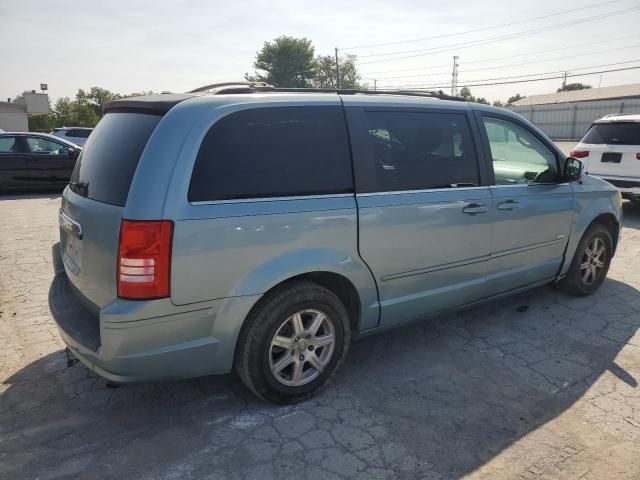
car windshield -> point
(618, 133)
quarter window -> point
(9, 145)
(273, 152)
(415, 151)
(518, 156)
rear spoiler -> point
(152, 104)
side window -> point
(10, 145)
(415, 151)
(518, 156)
(45, 147)
(273, 152)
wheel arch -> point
(606, 218)
(611, 222)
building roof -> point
(589, 94)
(7, 107)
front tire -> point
(590, 262)
(293, 343)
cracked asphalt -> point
(539, 386)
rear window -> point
(105, 167)
(79, 133)
(619, 133)
(273, 152)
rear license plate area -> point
(611, 157)
(71, 249)
(70, 243)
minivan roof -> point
(162, 103)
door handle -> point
(475, 208)
(508, 205)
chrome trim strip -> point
(526, 248)
(271, 199)
(69, 224)
(443, 266)
(530, 185)
(471, 261)
(426, 190)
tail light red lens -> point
(638, 156)
(579, 153)
(144, 259)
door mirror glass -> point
(572, 169)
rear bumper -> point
(132, 341)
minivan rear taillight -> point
(144, 259)
(579, 153)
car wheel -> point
(590, 263)
(293, 342)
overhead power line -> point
(527, 54)
(482, 29)
(542, 73)
(475, 43)
(432, 87)
(494, 67)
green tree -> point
(74, 113)
(96, 97)
(326, 72)
(285, 62)
(465, 93)
(498, 103)
(514, 98)
(569, 87)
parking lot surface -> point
(538, 386)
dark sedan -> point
(35, 161)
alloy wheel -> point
(593, 261)
(302, 347)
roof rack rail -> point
(220, 85)
(257, 87)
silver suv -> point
(259, 228)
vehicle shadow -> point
(631, 215)
(31, 195)
(443, 397)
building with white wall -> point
(14, 115)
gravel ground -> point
(538, 386)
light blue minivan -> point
(250, 227)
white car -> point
(77, 135)
(611, 150)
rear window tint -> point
(79, 133)
(273, 152)
(105, 167)
(619, 133)
(416, 151)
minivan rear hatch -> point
(93, 204)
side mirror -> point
(73, 152)
(572, 169)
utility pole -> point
(454, 76)
(564, 82)
(337, 70)
(375, 84)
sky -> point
(128, 46)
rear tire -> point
(293, 343)
(590, 262)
